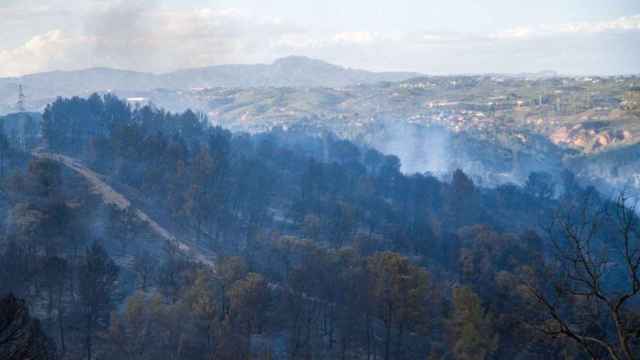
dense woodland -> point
(323, 248)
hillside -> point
(318, 241)
(293, 71)
(503, 126)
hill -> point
(314, 237)
(293, 71)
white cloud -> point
(627, 23)
(47, 51)
(140, 36)
(299, 41)
(296, 42)
(355, 37)
(160, 40)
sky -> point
(432, 37)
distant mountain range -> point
(293, 71)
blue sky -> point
(439, 37)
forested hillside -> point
(323, 249)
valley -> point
(498, 128)
(376, 220)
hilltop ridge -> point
(292, 71)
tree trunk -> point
(63, 347)
(88, 343)
(624, 344)
(368, 325)
(387, 342)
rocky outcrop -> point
(21, 337)
(583, 137)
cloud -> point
(42, 52)
(626, 23)
(355, 37)
(143, 35)
(300, 41)
(139, 35)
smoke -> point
(141, 35)
(420, 149)
(439, 152)
(122, 35)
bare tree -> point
(590, 290)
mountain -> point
(293, 71)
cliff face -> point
(21, 337)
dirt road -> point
(114, 198)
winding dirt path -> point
(114, 198)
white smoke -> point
(420, 150)
(437, 151)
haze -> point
(461, 36)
